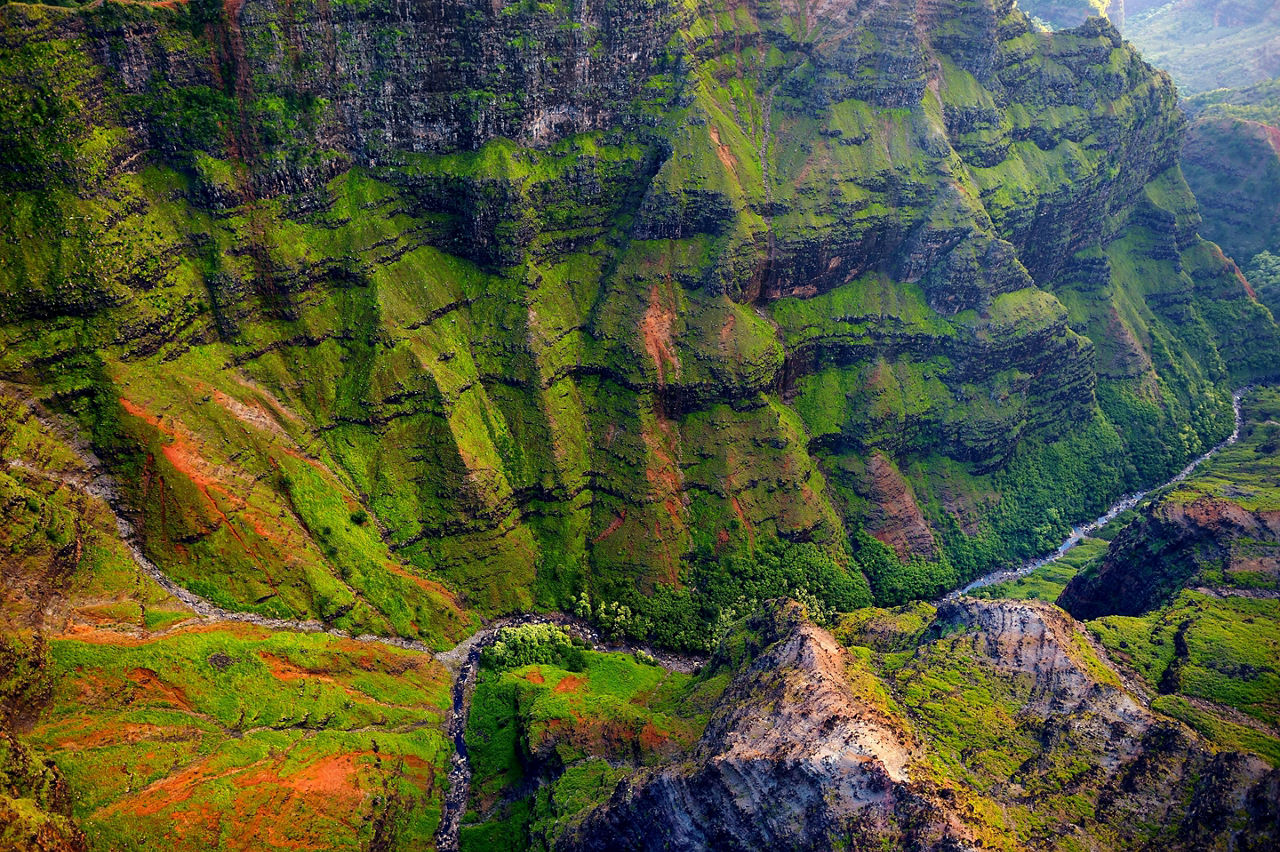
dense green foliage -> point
(529, 644)
(1264, 274)
(1209, 44)
(574, 731)
(1208, 568)
(541, 367)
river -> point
(463, 660)
(1124, 504)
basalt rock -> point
(794, 758)
(561, 297)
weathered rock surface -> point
(791, 759)
(795, 759)
(1177, 542)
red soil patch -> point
(729, 161)
(535, 676)
(331, 775)
(614, 526)
(726, 331)
(116, 734)
(153, 688)
(896, 519)
(651, 738)
(1273, 137)
(287, 670)
(185, 458)
(742, 516)
(665, 475)
(1219, 256)
(429, 586)
(572, 683)
(93, 636)
(656, 330)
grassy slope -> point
(165, 731)
(534, 372)
(547, 742)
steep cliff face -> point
(808, 750)
(1233, 166)
(1204, 541)
(790, 759)
(386, 314)
(1220, 530)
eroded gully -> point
(463, 659)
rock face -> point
(1151, 773)
(894, 517)
(1206, 540)
(1233, 166)
(794, 758)
(386, 313)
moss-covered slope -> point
(387, 315)
(973, 725)
(1188, 594)
(126, 722)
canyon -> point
(521, 425)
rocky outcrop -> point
(1149, 777)
(895, 519)
(1178, 543)
(795, 758)
(791, 759)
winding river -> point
(464, 659)
(1124, 504)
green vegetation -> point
(1047, 583)
(1264, 274)
(1208, 648)
(1220, 652)
(533, 371)
(575, 725)
(369, 335)
(1207, 44)
(239, 724)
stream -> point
(1124, 504)
(463, 660)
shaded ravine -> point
(1124, 504)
